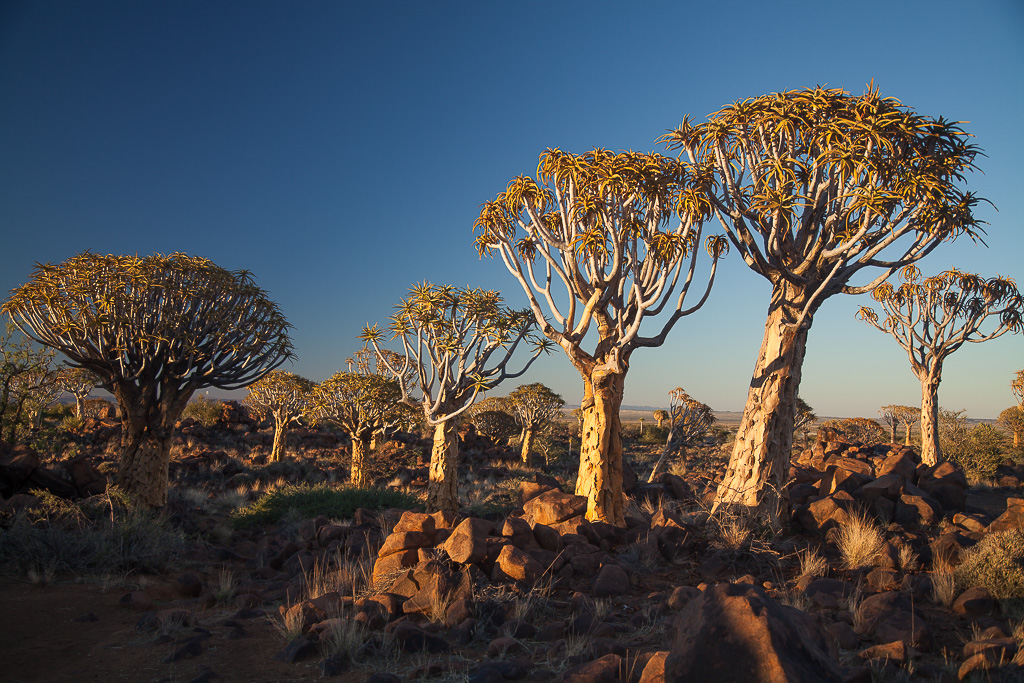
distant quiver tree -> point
(689, 422)
(282, 395)
(1012, 419)
(535, 406)
(933, 317)
(154, 330)
(458, 343)
(78, 382)
(813, 188)
(602, 241)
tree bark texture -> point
(906, 441)
(764, 443)
(527, 444)
(147, 425)
(931, 453)
(443, 484)
(278, 448)
(79, 406)
(362, 460)
(600, 473)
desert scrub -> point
(859, 541)
(205, 411)
(98, 536)
(311, 501)
(997, 563)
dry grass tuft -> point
(943, 584)
(812, 565)
(859, 541)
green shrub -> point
(311, 501)
(654, 435)
(205, 411)
(997, 563)
(978, 451)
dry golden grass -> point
(859, 541)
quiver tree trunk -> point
(443, 484)
(764, 443)
(931, 453)
(278, 447)
(147, 426)
(79, 406)
(527, 444)
(600, 473)
(906, 439)
(362, 460)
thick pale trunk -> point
(1016, 438)
(362, 460)
(147, 425)
(278, 448)
(527, 444)
(892, 433)
(80, 406)
(443, 484)
(600, 474)
(931, 453)
(760, 459)
(906, 440)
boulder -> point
(468, 542)
(553, 506)
(735, 632)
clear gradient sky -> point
(341, 150)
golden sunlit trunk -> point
(278, 448)
(931, 453)
(527, 444)
(442, 487)
(362, 461)
(600, 473)
(760, 459)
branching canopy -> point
(535, 405)
(282, 394)
(360, 404)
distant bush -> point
(654, 435)
(978, 451)
(311, 501)
(997, 563)
(854, 429)
(205, 411)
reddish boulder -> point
(552, 507)
(735, 632)
(468, 542)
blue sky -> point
(341, 151)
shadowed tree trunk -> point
(442, 487)
(362, 460)
(146, 433)
(931, 453)
(760, 459)
(278, 447)
(600, 473)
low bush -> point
(997, 563)
(654, 435)
(311, 501)
(205, 411)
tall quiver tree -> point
(813, 187)
(933, 317)
(458, 342)
(154, 330)
(361, 404)
(621, 233)
(78, 382)
(535, 407)
(284, 396)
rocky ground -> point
(518, 586)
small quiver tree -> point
(42, 387)
(78, 382)
(493, 417)
(689, 422)
(284, 397)
(535, 407)
(154, 330)
(803, 418)
(1017, 387)
(908, 416)
(360, 405)
(19, 360)
(661, 415)
(622, 234)
(822, 193)
(1012, 420)
(930, 318)
(890, 418)
(456, 344)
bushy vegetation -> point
(205, 411)
(654, 435)
(311, 501)
(978, 450)
(997, 563)
(101, 535)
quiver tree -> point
(493, 417)
(1017, 387)
(535, 406)
(602, 241)
(366, 361)
(890, 418)
(813, 187)
(78, 382)
(456, 343)
(154, 330)
(284, 397)
(803, 416)
(689, 422)
(907, 416)
(661, 415)
(933, 317)
(42, 389)
(19, 361)
(360, 405)
(1012, 420)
